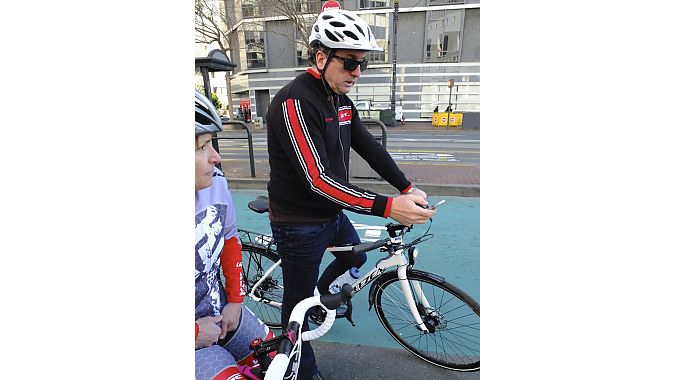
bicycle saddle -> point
(259, 205)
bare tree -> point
(300, 13)
(212, 25)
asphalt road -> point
(430, 147)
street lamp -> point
(394, 62)
(215, 61)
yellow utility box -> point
(440, 119)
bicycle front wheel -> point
(255, 261)
(451, 317)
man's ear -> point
(320, 58)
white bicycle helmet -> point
(206, 116)
(342, 29)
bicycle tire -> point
(256, 259)
(453, 321)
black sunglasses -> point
(350, 64)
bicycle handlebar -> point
(330, 302)
(365, 247)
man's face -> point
(340, 80)
(206, 159)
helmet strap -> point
(329, 92)
(328, 59)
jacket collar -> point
(313, 72)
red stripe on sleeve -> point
(388, 206)
(304, 145)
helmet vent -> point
(340, 35)
(327, 17)
(359, 29)
(331, 36)
(348, 17)
(337, 24)
(351, 35)
(317, 28)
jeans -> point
(301, 247)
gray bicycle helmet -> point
(342, 29)
(206, 116)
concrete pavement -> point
(337, 361)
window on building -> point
(365, 4)
(442, 36)
(254, 41)
(308, 6)
(380, 26)
(444, 2)
(249, 8)
(302, 55)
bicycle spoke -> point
(453, 337)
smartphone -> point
(434, 206)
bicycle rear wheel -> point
(452, 319)
(256, 259)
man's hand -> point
(419, 192)
(405, 209)
(209, 331)
(231, 312)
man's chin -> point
(347, 88)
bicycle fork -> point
(399, 260)
(408, 296)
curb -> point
(376, 186)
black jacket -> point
(309, 140)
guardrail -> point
(359, 168)
(248, 137)
(383, 136)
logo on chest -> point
(344, 115)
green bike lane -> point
(453, 253)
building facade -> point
(437, 40)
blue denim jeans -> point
(301, 247)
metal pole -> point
(205, 78)
(207, 92)
(448, 115)
(394, 62)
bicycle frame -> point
(252, 293)
(396, 259)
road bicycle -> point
(287, 346)
(428, 316)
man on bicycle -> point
(223, 327)
(311, 126)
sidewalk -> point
(337, 361)
(434, 178)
